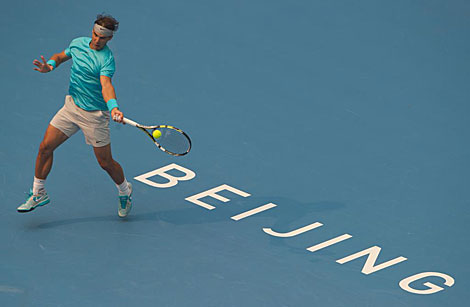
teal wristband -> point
(112, 103)
(52, 63)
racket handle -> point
(129, 122)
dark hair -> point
(107, 21)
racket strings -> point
(173, 141)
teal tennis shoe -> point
(125, 203)
(34, 201)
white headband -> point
(102, 30)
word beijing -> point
(372, 253)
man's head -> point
(103, 30)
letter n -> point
(369, 266)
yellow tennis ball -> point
(156, 134)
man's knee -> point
(52, 139)
(45, 148)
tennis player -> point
(88, 105)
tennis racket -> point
(173, 141)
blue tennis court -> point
(330, 161)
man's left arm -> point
(109, 95)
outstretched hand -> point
(42, 67)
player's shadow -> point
(287, 211)
(177, 217)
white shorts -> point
(94, 124)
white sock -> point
(123, 188)
(38, 185)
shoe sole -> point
(39, 205)
(123, 216)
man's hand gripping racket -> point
(169, 139)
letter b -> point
(162, 172)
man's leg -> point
(114, 169)
(106, 161)
(38, 196)
(52, 139)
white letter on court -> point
(329, 242)
(293, 233)
(172, 180)
(213, 193)
(369, 266)
(405, 283)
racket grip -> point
(129, 122)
